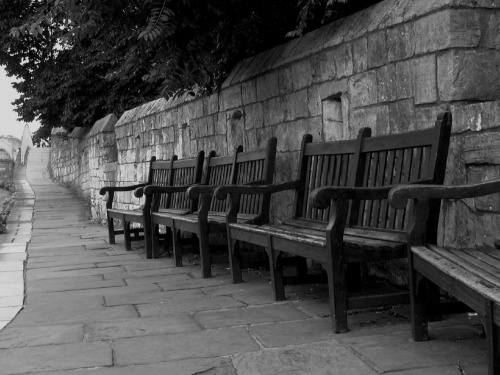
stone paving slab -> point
(10, 277)
(329, 357)
(55, 357)
(209, 343)
(397, 352)
(206, 366)
(69, 261)
(160, 280)
(49, 273)
(43, 335)
(76, 285)
(12, 301)
(147, 273)
(7, 313)
(174, 323)
(250, 315)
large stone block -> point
(476, 116)
(254, 116)
(249, 92)
(274, 111)
(482, 173)
(290, 134)
(230, 98)
(363, 89)
(325, 68)
(482, 148)
(267, 86)
(360, 55)
(333, 88)
(424, 79)
(386, 78)
(333, 125)
(401, 116)
(469, 75)
(302, 74)
(285, 80)
(404, 80)
(377, 118)
(314, 101)
(296, 105)
(492, 32)
(400, 42)
(377, 49)
(450, 28)
(344, 60)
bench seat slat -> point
(317, 238)
(453, 266)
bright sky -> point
(9, 125)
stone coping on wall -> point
(355, 29)
(104, 125)
(380, 16)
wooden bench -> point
(352, 179)
(471, 275)
(253, 167)
(164, 173)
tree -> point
(78, 60)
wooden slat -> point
(469, 277)
(330, 148)
(466, 260)
(400, 141)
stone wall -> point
(392, 67)
(86, 160)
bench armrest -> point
(321, 197)
(107, 189)
(194, 191)
(152, 189)
(222, 191)
(399, 195)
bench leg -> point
(177, 249)
(276, 270)
(419, 307)
(433, 302)
(111, 231)
(301, 268)
(148, 240)
(126, 232)
(337, 298)
(155, 241)
(235, 260)
(492, 340)
(203, 239)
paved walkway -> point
(93, 308)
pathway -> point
(93, 308)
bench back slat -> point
(185, 172)
(161, 174)
(243, 168)
(394, 159)
(324, 164)
(175, 173)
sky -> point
(9, 125)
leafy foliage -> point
(78, 60)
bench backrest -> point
(400, 158)
(372, 162)
(176, 173)
(243, 168)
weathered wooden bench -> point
(349, 221)
(253, 167)
(471, 275)
(164, 173)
